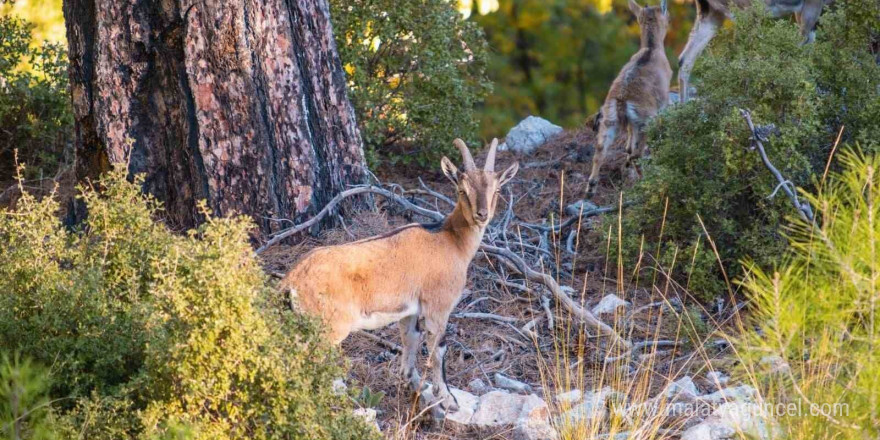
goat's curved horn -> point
(490, 158)
(465, 154)
(664, 7)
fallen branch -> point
(281, 235)
(571, 305)
(387, 344)
(803, 208)
(492, 316)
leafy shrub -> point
(157, 335)
(416, 71)
(818, 311)
(35, 110)
(702, 163)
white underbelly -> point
(377, 320)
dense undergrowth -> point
(145, 333)
(819, 314)
(704, 181)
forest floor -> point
(551, 359)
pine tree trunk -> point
(238, 102)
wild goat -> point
(639, 92)
(411, 272)
(711, 15)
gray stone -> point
(590, 411)
(609, 304)
(506, 383)
(339, 386)
(369, 416)
(467, 406)
(478, 386)
(732, 421)
(529, 134)
(717, 378)
(533, 422)
(683, 389)
(742, 393)
(569, 397)
(497, 408)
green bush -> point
(416, 71)
(35, 110)
(155, 335)
(702, 162)
(820, 315)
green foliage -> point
(416, 72)
(819, 311)
(557, 58)
(369, 398)
(701, 161)
(35, 108)
(24, 403)
(157, 335)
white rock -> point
(478, 386)
(339, 386)
(730, 420)
(506, 383)
(609, 304)
(534, 421)
(569, 397)
(742, 393)
(529, 134)
(717, 378)
(467, 406)
(682, 389)
(369, 416)
(709, 431)
(527, 416)
(592, 410)
(497, 408)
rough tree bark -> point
(239, 102)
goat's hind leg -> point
(436, 327)
(604, 140)
(410, 336)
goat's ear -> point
(508, 174)
(449, 169)
(635, 8)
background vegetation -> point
(35, 110)
(702, 164)
(416, 72)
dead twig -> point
(571, 305)
(281, 235)
(803, 208)
(491, 316)
(387, 344)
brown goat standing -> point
(711, 15)
(639, 92)
(414, 271)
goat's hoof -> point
(448, 407)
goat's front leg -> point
(436, 326)
(704, 29)
(808, 17)
(410, 336)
